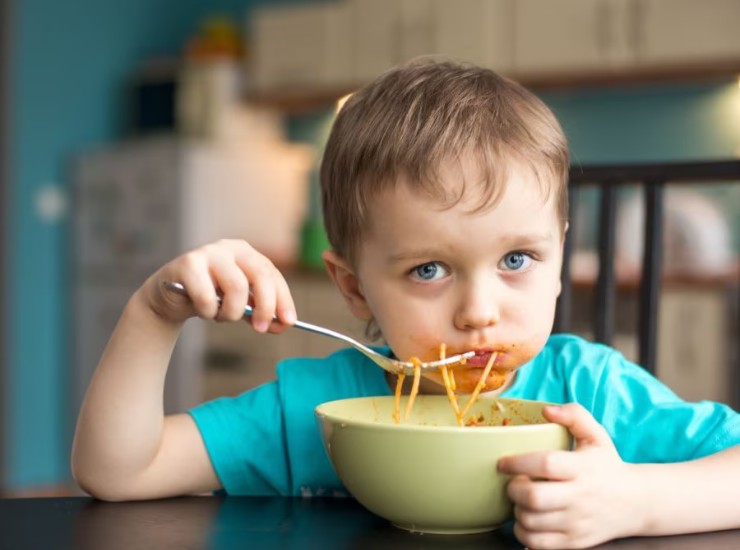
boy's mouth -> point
(481, 358)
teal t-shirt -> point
(267, 442)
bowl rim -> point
(372, 425)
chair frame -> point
(652, 178)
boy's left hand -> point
(565, 499)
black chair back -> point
(653, 179)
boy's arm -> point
(687, 497)
(588, 496)
(124, 446)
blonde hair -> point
(411, 119)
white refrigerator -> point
(142, 203)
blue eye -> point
(516, 261)
(429, 271)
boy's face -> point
(484, 281)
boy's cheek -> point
(415, 340)
(519, 354)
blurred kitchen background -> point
(132, 131)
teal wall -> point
(636, 123)
(664, 123)
(651, 123)
(69, 63)
(629, 124)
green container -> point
(313, 243)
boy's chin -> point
(466, 379)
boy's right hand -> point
(229, 268)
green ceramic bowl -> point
(427, 474)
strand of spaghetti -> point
(451, 394)
(414, 386)
(397, 402)
(448, 376)
(480, 384)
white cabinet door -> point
(305, 45)
(571, 36)
(415, 30)
(477, 31)
(688, 31)
(693, 343)
(374, 37)
(389, 32)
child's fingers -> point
(539, 495)
(232, 268)
(286, 311)
(264, 279)
(540, 539)
(264, 297)
(233, 286)
(552, 465)
(192, 271)
(552, 520)
(580, 423)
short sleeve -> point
(267, 440)
(646, 420)
(650, 423)
(245, 440)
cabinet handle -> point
(603, 28)
(636, 25)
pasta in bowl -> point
(428, 474)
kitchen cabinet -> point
(389, 32)
(415, 31)
(340, 45)
(695, 340)
(628, 38)
(572, 36)
(306, 45)
(478, 31)
(374, 40)
(308, 56)
(675, 32)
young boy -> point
(445, 202)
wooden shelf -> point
(301, 99)
(669, 281)
(727, 71)
(298, 100)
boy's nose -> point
(478, 309)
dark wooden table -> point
(235, 522)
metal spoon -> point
(391, 365)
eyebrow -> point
(508, 241)
(527, 239)
(414, 255)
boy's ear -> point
(562, 251)
(347, 283)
